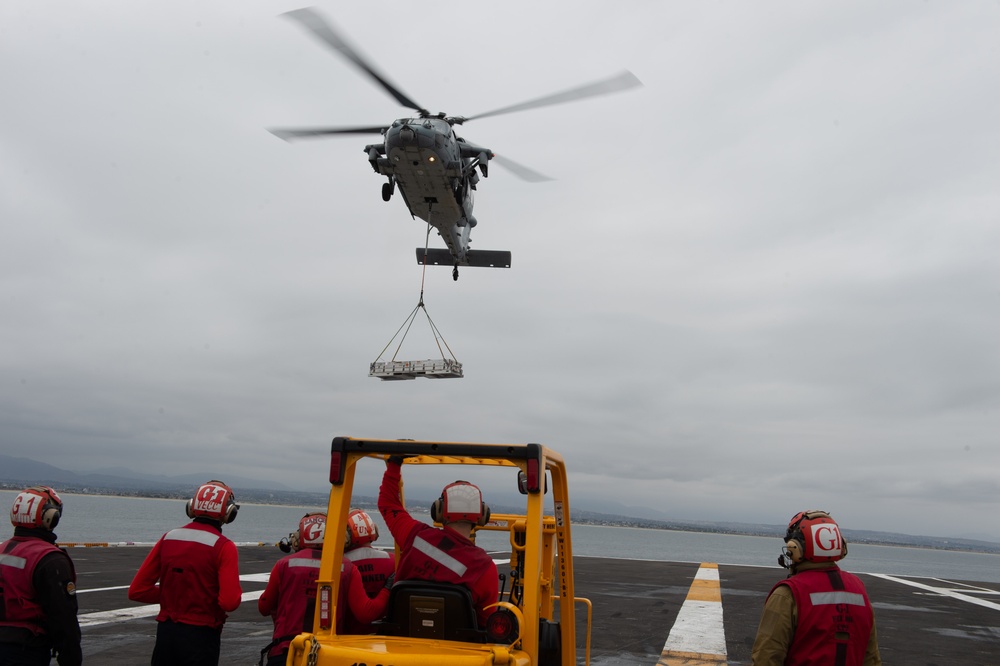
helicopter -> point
(435, 170)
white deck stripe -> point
(118, 615)
(102, 589)
(136, 612)
(251, 578)
(944, 592)
(698, 635)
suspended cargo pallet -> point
(431, 368)
(393, 370)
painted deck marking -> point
(943, 591)
(252, 578)
(146, 610)
(698, 637)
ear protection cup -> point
(485, 516)
(793, 550)
(50, 518)
(795, 543)
(52, 509)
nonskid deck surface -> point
(645, 612)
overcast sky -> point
(766, 281)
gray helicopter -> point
(436, 170)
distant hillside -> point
(17, 472)
(852, 536)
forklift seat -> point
(424, 609)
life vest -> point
(18, 558)
(293, 614)
(375, 567)
(835, 618)
(189, 576)
(445, 556)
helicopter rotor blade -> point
(617, 83)
(316, 132)
(519, 170)
(323, 31)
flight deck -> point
(644, 612)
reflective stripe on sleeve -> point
(439, 556)
(832, 598)
(194, 536)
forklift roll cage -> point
(541, 595)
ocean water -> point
(97, 518)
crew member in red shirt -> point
(199, 581)
(290, 595)
(819, 614)
(376, 566)
(444, 554)
(37, 586)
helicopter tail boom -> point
(475, 258)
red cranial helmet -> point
(361, 529)
(214, 500)
(38, 506)
(813, 536)
(460, 501)
(312, 529)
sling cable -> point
(445, 367)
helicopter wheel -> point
(387, 190)
(454, 273)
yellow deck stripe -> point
(698, 636)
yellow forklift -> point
(533, 622)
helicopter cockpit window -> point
(441, 126)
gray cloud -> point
(763, 282)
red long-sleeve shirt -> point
(292, 584)
(198, 573)
(436, 554)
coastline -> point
(310, 500)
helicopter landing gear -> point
(388, 189)
(454, 273)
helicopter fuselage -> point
(436, 172)
(435, 169)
